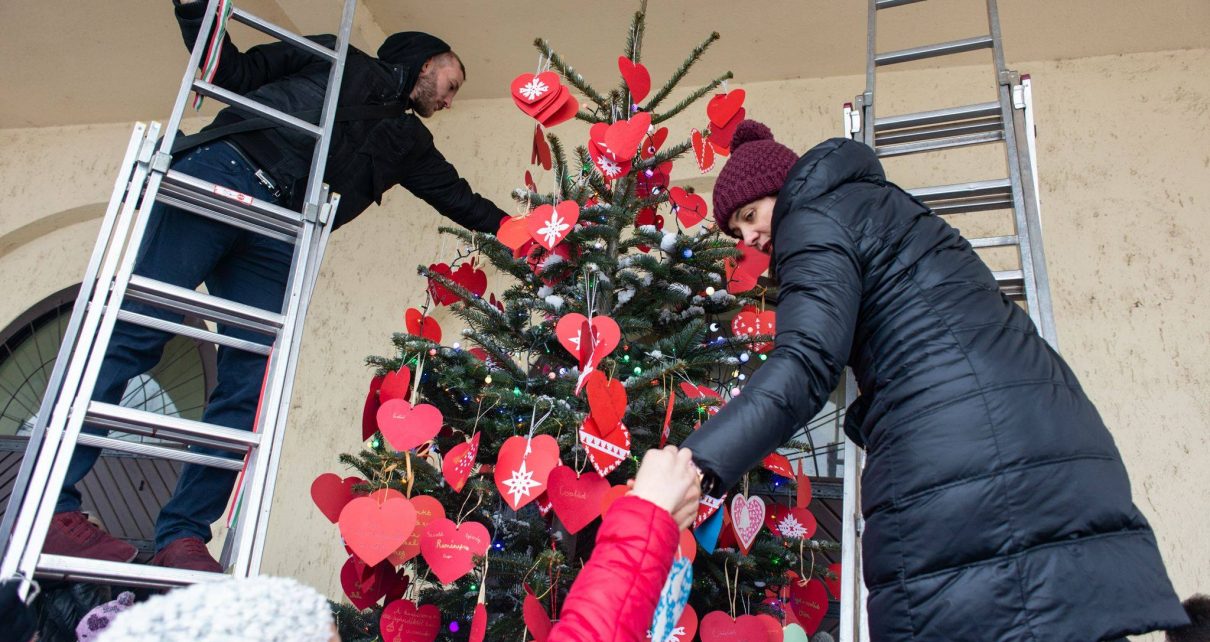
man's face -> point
(439, 81)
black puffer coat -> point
(996, 504)
(366, 157)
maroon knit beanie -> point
(757, 168)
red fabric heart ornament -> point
(395, 384)
(478, 623)
(747, 517)
(331, 493)
(523, 467)
(606, 448)
(653, 179)
(742, 275)
(450, 549)
(773, 628)
(550, 225)
(535, 616)
(540, 155)
(810, 603)
(421, 325)
(533, 92)
(723, 107)
(363, 584)
(441, 294)
(402, 621)
(369, 411)
(719, 626)
(606, 400)
(471, 277)
(685, 629)
(459, 462)
(703, 151)
(373, 529)
(638, 79)
(576, 498)
(406, 426)
(833, 585)
(428, 510)
(652, 143)
(690, 208)
(514, 232)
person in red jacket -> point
(614, 597)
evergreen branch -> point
(679, 74)
(569, 73)
(698, 93)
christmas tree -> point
(490, 460)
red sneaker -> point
(71, 534)
(189, 553)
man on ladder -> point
(378, 142)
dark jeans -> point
(186, 250)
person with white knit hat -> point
(266, 609)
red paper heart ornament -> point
(514, 232)
(703, 392)
(523, 467)
(610, 168)
(652, 143)
(369, 411)
(773, 628)
(459, 462)
(478, 623)
(703, 151)
(722, 135)
(612, 495)
(428, 510)
(373, 529)
(723, 107)
(606, 449)
(576, 498)
(539, 155)
(685, 629)
(421, 325)
(778, 464)
(363, 585)
(747, 517)
(605, 335)
(750, 323)
(402, 621)
(810, 604)
(535, 617)
(331, 493)
(690, 208)
(803, 492)
(833, 585)
(450, 549)
(534, 90)
(606, 400)
(623, 137)
(550, 225)
(561, 108)
(441, 294)
(470, 277)
(794, 523)
(687, 547)
(742, 275)
(638, 79)
(719, 626)
(395, 384)
(406, 426)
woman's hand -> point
(669, 479)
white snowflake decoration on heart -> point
(789, 526)
(553, 228)
(610, 168)
(521, 483)
(534, 88)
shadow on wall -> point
(46, 225)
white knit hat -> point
(272, 609)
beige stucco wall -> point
(1125, 181)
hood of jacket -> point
(821, 170)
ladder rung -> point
(949, 115)
(204, 306)
(994, 241)
(82, 569)
(887, 4)
(933, 51)
(1012, 282)
(226, 205)
(1000, 186)
(286, 36)
(180, 329)
(276, 115)
(961, 206)
(150, 424)
(939, 131)
(944, 143)
(160, 452)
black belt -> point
(260, 174)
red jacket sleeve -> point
(614, 597)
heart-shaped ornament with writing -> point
(459, 462)
(638, 79)
(331, 493)
(523, 468)
(606, 448)
(719, 626)
(403, 621)
(450, 549)
(576, 498)
(406, 426)
(428, 510)
(374, 529)
(810, 603)
(690, 208)
(550, 225)
(421, 325)
(362, 584)
(747, 517)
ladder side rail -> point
(182, 95)
(70, 408)
(315, 187)
(853, 626)
(71, 336)
(866, 101)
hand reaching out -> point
(668, 479)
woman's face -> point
(753, 223)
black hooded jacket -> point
(997, 506)
(367, 156)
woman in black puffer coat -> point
(996, 504)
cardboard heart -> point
(748, 323)
(441, 294)
(402, 621)
(576, 498)
(653, 180)
(406, 426)
(723, 107)
(833, 586)
(514, 232)
(331, 493)
(690, 208)
(742, 275)
(747, 517)
(606, 449)
(459, 462)
(605, 335)
(421, 325)
(550, 225)
(396, 582)
(722, 135)
(703, 392)
(810, 603)
(622, 138)
(540, 155)
(537, 621)
(612, 495)
(707, 528)
(652, 143)
(396, 384)
(778, 464)
(687, 548)
(719, 626)
(707, 506)
(471, 277)
(794, 633)
(478, 623)
(450, 549)
(373, 529)
(702, 151)
(428, 510)
(363, 588)
(610, 169)
(638, 79)
(666, 429)
(686, 627)
(803, 493)
(530, 90)
(606, 400)
(795, 523)
(369, 411)
(523, 467)
(561, 108)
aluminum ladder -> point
(1007, 120)
(144, 179)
